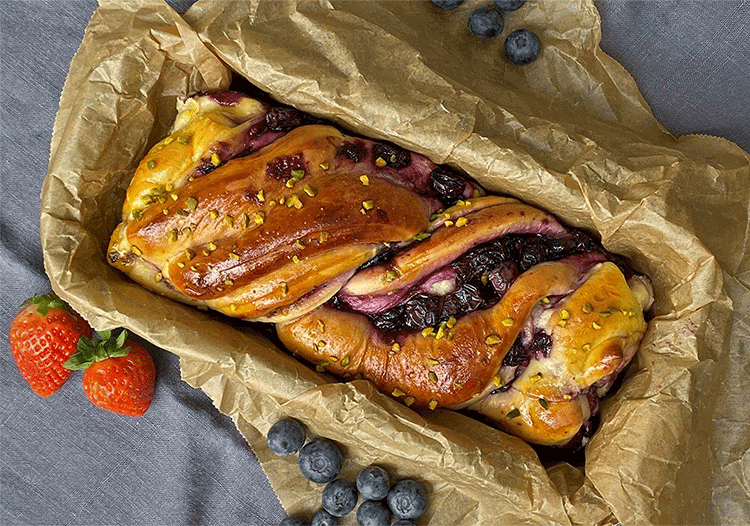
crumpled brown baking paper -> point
(570, 133)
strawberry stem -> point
(45, 302)
(100, 347)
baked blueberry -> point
(373, 513)
(448, 184)
(486, 23)
(339, 497)
(373, 482)
(522, 46)
(292, 521)
(447, 5)
(320, 460)
(509, 5)
(285, 437)
(323, 518)
(407, 499)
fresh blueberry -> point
(407, 499)
(339, 497)
(486, 22)
(286, 437)
(320, 460)
(373, 513)
(292, 521)
(373, 483)
(509, 5)
(323, 518)
(447, 5)
(522, 46)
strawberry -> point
(119, 374)
(43, 335)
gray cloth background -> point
(65, 461)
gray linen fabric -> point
(64, 461)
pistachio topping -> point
(191, 203)
(309, 190)
(295, 258)
(380, 162)
(596, 325)
(245, 220)
(213, 214)
(259, 218)
(461, 221)
(398, 393)
(174, 196)
(183, 139)
(284, 288)
(324, 165)
(507, 322)
(545, 300)
(136, 250)
(534, 378)
(229, 220)
(564, 315)
(189, 254)
(228, 281)
(137, 215)
(298, 244)
(290, 182)
(345, 361)
(321, 326)
(543, 403)
(432, 361)
(587, 347)
(297, 174)
(409, 400)
(448, 222)
(587, 307)
(493, 339)
(605, 314)
(211, 246)
(169, 140)
(294, 201)
(151, 164)
(261, 195)
(396, 347)
(428, 331)
(368, 205)
(158, 277)
(234, 256)
(433, 404)
(451, 322)
(173, 235)
(567, 396)
(365, 180)
(513, 413)
(233, 307)
(215, 159)
(390, 275)
(421, 236)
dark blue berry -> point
(373, 483)
(292, 521)
(448, 5)
(323, 518)
(522, 46)
(373, 513)
(407, 499)
(509, 5)
(339, 497)
(286, 437)
(486, 22)
(320, 460)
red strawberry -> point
(42, 336)
(119, 375)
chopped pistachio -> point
(213, 214)
(587, 347)
(228, 281)
(368, 205)
(137, 215)
(229, 220)
(345, 361)
(365, 180)
(284, 288)
(174, 197)
(396, 347)
(448, 222)
(294, 201)
(295, 258)
(409, 400)
(440, 332)
(281, 200)
(432, 376)
(380, 162)
(261, 196)
(534, 378)
(165, 211)
(433, 405)
(321, 326)
(233, 307)
(298, 244)
(545, 299)
(334, 359)
(596, 325)
(162, 199)
(187, 230)
(183, 139)
(211, 246)
(507, 322)
(605, 314)
(234, 256)
(181, 264)
(189, 254)
(324, 165)
(173, 235)
(169, 140)
(564, 315)
(136, 250)
(484, 279)
(290, 182)
(451, 322)
(151, 164)
(587, 307)
(428, 331)
(398, 393)
(461, 221)
(567, 397)
(513, 413)
(309, 190)
(496, 380)
(562, 323)
(259, 218)
(543, 403)
(215, 160)
(458, 385)
(492, 339)
(158, 277)
(422, 236)
(191, 203)
(245, 220)
(297, 174)
(432, 361)
(323, 236)
(182, 212)
(390, 275)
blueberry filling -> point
(447, 184)
(391, 155)
(281, 168)
(354, 151)
(484, 274)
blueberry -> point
(320, 460)
(447, 5)
(407, 499)
(373, 513)
(339, 497)
(286, 437)
(323, 518)
(522, 46)
(373, 483)
(486, 22)
(421, 310)
(509, 5)
(292, 521)
(448, 184)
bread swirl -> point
(375, 262)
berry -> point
(285, 437)
(292, 521)
(522, 46)
(43, 335)
(373, 513)
(448, 5)
(119, 374)
(486, 23)
(320, 460)
(339, 497)
(509, 5)
(407, 499)
(373, 483)
(323, 518)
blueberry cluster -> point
(522, 46)
(320, 460)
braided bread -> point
(374, 262)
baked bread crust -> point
(264, 215)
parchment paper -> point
(569, 133)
